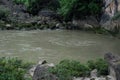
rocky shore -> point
(40, 71)
(19, 19)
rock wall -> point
(110, 8)
(114, 65)
(119, 5)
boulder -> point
(110, 8)
(42, 73)
(89, 22)
(109, 77)
(94, 73)
(49, 13)
(114, 65)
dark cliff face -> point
(8, 3)
(114, 65)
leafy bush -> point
(67, 69)
(80, 8)
(100, 64)
(12, 69)
(4, 12)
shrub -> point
(67, 69)
(12, 69)
(100, 64)
(4, 12)
(80, 8)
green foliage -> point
(99, 30)
(4, 12)
(12, 69)
(67, 69)
(100, 64)
(26, 2)
(80, 8)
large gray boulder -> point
(114, 65)
(88, 22)
(41, 71)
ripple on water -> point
(24, 45)
(31, 49)
(71, 42)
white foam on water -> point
(72, 43)
(31, 49)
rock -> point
(110, 9)
(109, 77)
(50, 65)
(42, 62)
(94, 73)
(49, 14)
(58, 25)
(41, 73)
(114, 65)
(80, 78)
(31, 71)
(89, 22)
(87, 79)
(98, 78)
(8, 25)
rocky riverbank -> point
(16, 17)
(41, 71)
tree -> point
(79, 8)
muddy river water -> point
(55, 46)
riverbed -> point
(56, 45)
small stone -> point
(87, 79)
(51, 65)
(8, 25)
(109, 77)
(94, 73)
(79, 78)
(31, 71)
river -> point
(54, 46)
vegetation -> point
(67, 8)
(80, 8)
(100, 65)
(67, 69)
(13, 69)
(4, 12)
